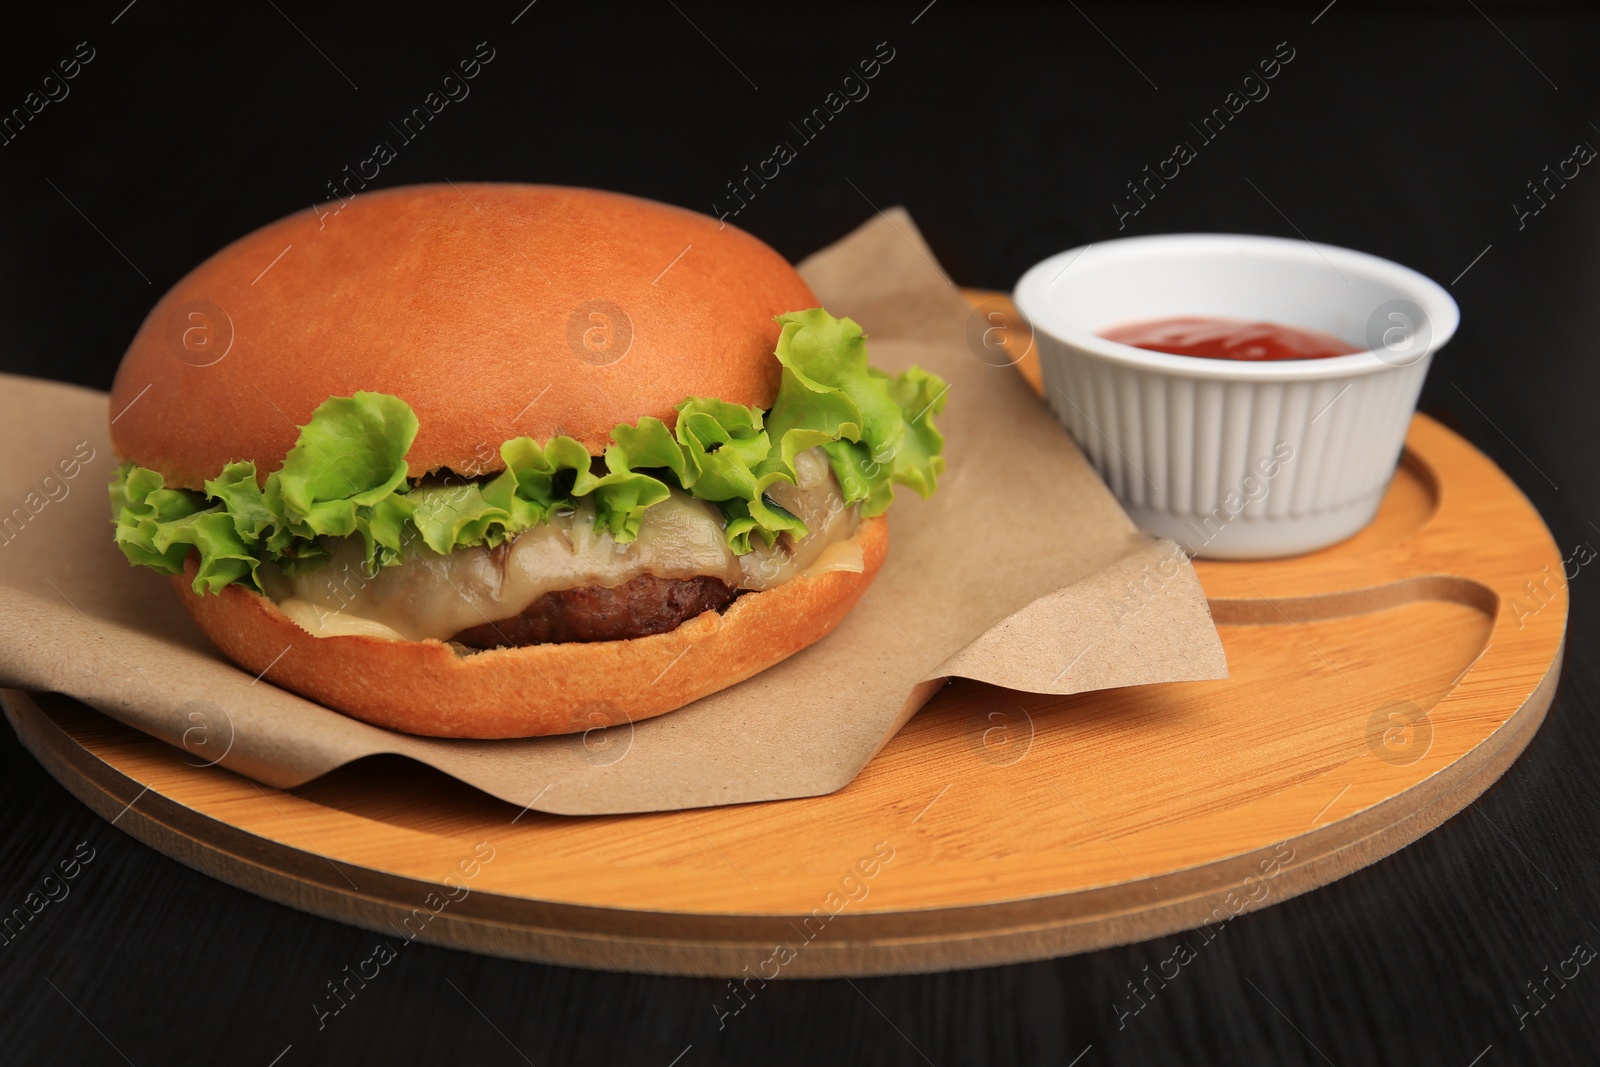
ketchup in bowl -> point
(1220, 338)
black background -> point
(1008, 131)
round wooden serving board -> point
(1377, 688)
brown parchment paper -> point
(1021, 571)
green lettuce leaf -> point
(448, 517)
(145, 509)
(882, 429)
(157, 527)
(347, 476)
(342, 475)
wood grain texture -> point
(1377, 687)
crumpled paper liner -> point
(1022, 571)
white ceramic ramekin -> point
(1237, 460)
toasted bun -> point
(431, 688)
(494, 310)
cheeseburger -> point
(507, 460)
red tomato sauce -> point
(1219, 338)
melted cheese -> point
(426, 595)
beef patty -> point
(646, 605)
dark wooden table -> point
(1409, 131)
